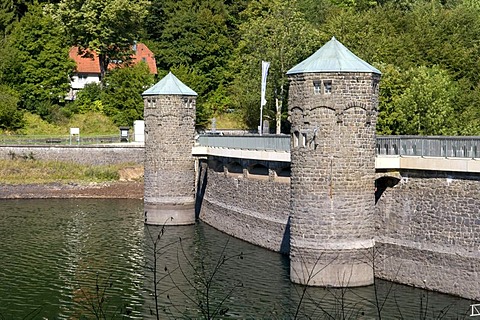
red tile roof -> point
(144, 54)
(90, 63)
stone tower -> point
(169, 115)
(333, 100)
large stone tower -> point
(333, 100)
(169, 115)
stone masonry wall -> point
(96, 155)
(428, 231)
(246, 201)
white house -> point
(88, 67)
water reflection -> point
(60, 259)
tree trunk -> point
(103, 61)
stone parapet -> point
(92, 154)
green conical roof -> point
(333, 57)
(169, 85)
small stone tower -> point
(169, 115)
(333, 100)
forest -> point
(427, 50)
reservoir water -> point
(94, 259)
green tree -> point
(197, 38)
(7, 16)
(196, 80)
(446, 37)
(108, 27)
(89, 99)
(121, 96)
(392, 86)
(426, 107)
(10, 117)
(36, 62)
(273, 31)
(196, 34)
(315, 11)
(355, 4)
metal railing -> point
(428, 146)
(247, 142)
(422, 146)
(433, 146)
(58, 139)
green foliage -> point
(392, 86)
(93, 123)
(196, 38)
(7, 16)
(36, 62)
(121, 97)
(88, 99)
(108, 27)
(273, 31)
(193, 78)
(426, 107)
(29, 170)
(102, 173)
(216, 48)
(315, 11)
(355, 4)
(10, 117)
(195, 34)
(398, 37)
(35, 125)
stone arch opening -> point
(215, 165)
(258, 171)
(283, 174)
(382, 183)
(235, 168)
(296, 115)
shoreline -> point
(102, 190)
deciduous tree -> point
(273, 31)
(36, 62)
(426, 107)
(108, 27)
(121, 97)
(10, 116)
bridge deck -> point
(455, 154)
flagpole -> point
(263, 101)
(260, 127)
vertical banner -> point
(263, 101)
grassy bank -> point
(26, 171)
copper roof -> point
(169, 85)
(333, 57)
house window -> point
(144, 59)
(327, 86)
(317, 87)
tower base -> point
(330, 268)
(169, 214)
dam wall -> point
(247, 199)
(426, 222)
(427, 231)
